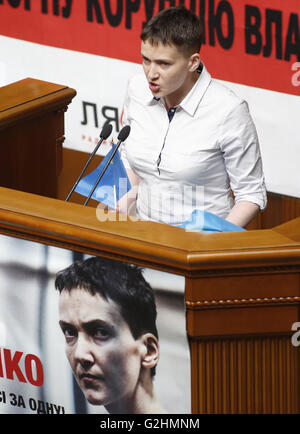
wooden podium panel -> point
(242, 293)
(32, 134)
(240, 341)
(239, 321)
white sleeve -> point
(240, 147)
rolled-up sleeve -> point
(240, 147)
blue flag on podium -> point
(204, 221)
(113, 184)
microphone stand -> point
(123, 134)
(105, 133)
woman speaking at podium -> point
(193, 142)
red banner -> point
(252, 42)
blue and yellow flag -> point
(113, 184)
(204, 221)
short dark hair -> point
(122, 283)
(175, 25)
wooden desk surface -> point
(151, 244)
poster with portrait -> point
(79, 334)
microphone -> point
(105, 133)
(123, 134)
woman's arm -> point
(241, 151)
(242, 213)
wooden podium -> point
(32, 134)
(242, 294)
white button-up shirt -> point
(208, 149)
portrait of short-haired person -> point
(107, 313)
(188, 131)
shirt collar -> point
(195, 95)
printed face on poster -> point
(83, 334)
